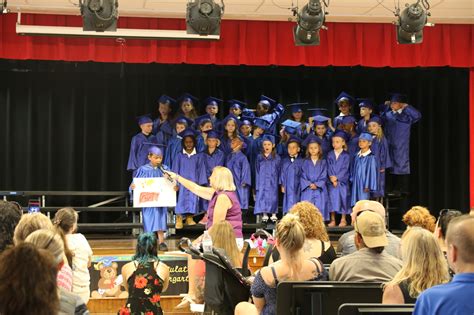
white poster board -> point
(153, 192)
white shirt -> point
(364, 154)
(82, 251)
(189, 154)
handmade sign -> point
(153, 192)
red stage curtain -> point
(259, 43)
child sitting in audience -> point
(290, 238)
(419, 216)
(66, 220)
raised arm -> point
(203, 192)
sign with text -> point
(153, 192)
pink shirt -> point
(65, 278)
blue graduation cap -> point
(366, 102)
(236, 104)
(349, 119)
(202, 120)
(317, 111)
(246, 122)
(267, 102)
(165, 99)
(292, 127)
(294, 139)
(345, 97)
(188, 132)
(365, 136)
(186, 97)
(154, 148)
(320, 120)
(398, 97)
(296, 107)
(311, 138)
(376, 119)
(144, 119)
(183, 120)
(268, 137)
(231, 117)
(341, 134)
(213, 101)
(261, 123)
(212, 134)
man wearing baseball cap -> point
(370, 263)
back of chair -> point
(245, 260)
(375, 308)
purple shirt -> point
(233, 215)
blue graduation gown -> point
(154, 218)
(188, 167)
(174, 147)
(282, 149)
(361, 126)
(326, 144)
(200, 143)
(382, 156)
(253, 152)
(364, 175)
(164, 127)
(248, 141)
(397, 128)
(225, 145)
(315, 174)
(238, 164)
(290, 180)
(208, 162)
(339, 195)
(267, 173)
(138, 151)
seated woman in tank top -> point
(223, 206)
(424, 266)
(317, 242)
(292, 266)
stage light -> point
(3, 7)
(99, 15)
(308, 23)
(203, 17)
(411, 22)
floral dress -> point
(145, 288)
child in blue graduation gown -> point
(238, 164)
(344, 102)
(162, 125)
(212, 108)
(267, 173)
(290, 174)
(366, 106)
(231, 131)
(138, 150)
(154, 219)
(246, 133)
(297, 115)
(364, 171)
(290, 128)
(321, 130)
(208, 159)
(380, 149)
(175, 143)
(314, 175)
(203, 124)
(187, 165)
(338, 161)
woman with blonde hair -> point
(30, 223)
(419, 216)
(290, 238)
(223, 205)
(424, 266)
(52, 242)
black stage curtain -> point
(67, 126)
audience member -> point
(454, 297)
(28, 281)
(145, 278)
(370, 263)
(30, 223)
(10, 215)
(290, 238)
(66, 220)
(419, 216)
(445, 217)
(423, 267)
(51, 241)
(346, 244)
(317, 243)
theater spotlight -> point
(411, 21)
(3, 7)
(203, 17)
(308, 23)
(99, 15)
